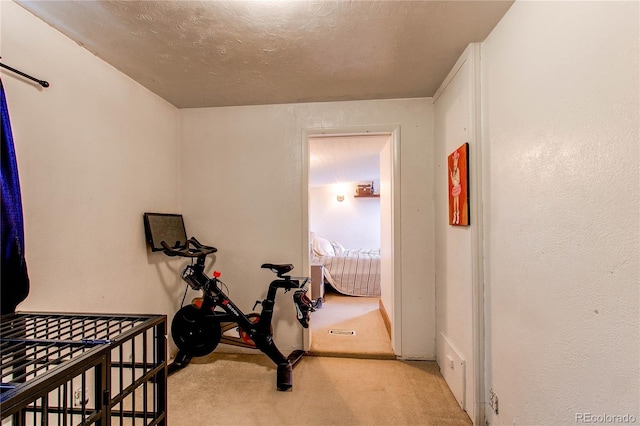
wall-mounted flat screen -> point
(166, 227)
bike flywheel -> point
(194, 332)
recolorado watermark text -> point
(605, 418)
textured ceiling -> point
(220, 53)
(336, 159)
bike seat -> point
(279, 269)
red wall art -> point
(458, 163)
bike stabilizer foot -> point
(180, 361)
(285, 377)
(295, 356)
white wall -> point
(95, 150)
(454, 124)
(353, 222)
(242, 192)
(560, 117)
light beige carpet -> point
(343, 314)
(234, 389)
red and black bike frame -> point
(260, 332)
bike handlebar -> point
(192, 248)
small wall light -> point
(340, 198)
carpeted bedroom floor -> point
(348, 326)
(341, 385)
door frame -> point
(394, 132)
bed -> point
(354, 272)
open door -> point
(387, 157)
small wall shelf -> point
(366, 191)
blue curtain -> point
(15, 279)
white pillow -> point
(337, 248)
(323, 247)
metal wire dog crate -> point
(83, 369)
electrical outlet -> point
(493, 401)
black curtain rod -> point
(40, 82)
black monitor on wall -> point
(166, 227)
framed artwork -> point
(458, 162)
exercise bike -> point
(199, 327)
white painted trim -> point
(394, 131)
(306, 265)
(396, 334)
(452, 74)
(477, 236)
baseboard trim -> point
(385, 318)
(358, 355)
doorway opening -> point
(350, 223)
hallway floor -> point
(238, 389)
